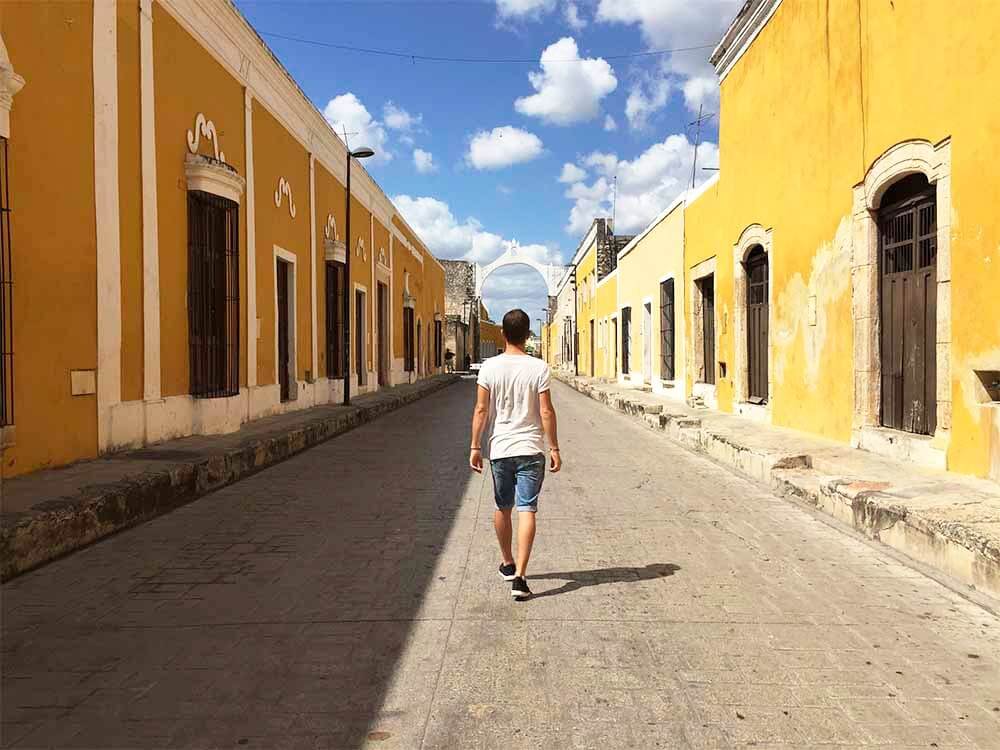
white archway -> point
(514, 256)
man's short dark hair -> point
(516, 327)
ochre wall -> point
(329, 200)
(53, 235)
(187, 80)
(586, 274)
(657, 255)
(361, 274)
(607, 303)
(866, 75)
(277, 154)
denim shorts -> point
(518, 480)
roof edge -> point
(749, 22)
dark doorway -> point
(707, 288)
(284, 364)
(334, 324)
(626, 338)
(757, 315)
(667, 367)
(359, 336)
(592, 349)
(383, 334)
(907, 227)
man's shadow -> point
(582, 578)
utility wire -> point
(489, 60)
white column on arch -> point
(252, 332)
(106, 213)
(151, 389)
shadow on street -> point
(583, 578)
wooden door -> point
(359, 336)
(626, 339)
(383, 335)
(707, 286)
(757, 319)
(614, 335)
(284, 365)
(908, 306)
(667, 366)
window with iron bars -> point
(408, 335)
(6, 296)
(213, 295)
(335, 320)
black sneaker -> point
(519, 588)
(507, 571)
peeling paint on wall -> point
(829, 280)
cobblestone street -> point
(334, 603)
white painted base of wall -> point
(904, 446)
(756, 412)
(672, 389)
(707, 393)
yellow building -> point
(842, 273)
(596, 302)
(491, 339)
(651, 304)
(179, 237)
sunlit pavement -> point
(349, 598)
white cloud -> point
(397, 118)
(701, 91)
(502, 147)
(568, 89)
(572, 173)
(347, 112)
(646, 185)
(424, 161)
(647, 96)
(609, 124)
(669, 24)
(512, 9)
(571, 14)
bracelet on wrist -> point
(475, 449)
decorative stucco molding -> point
(408, 299)
(334, 248)
(360, 250)
(216, 177)
(330, 230)
(204, 127)
(908, 157)
(284, 189)
(10, 84)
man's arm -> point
(548, 414)
(480, 414)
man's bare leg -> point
(502, 525)
(525, 538)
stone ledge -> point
(151, 481)
(946, 521)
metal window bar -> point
(213, 295)
(408, 358)
(6, 295)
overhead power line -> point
(472, 60)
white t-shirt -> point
(514, 382)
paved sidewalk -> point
(49, 513)
(947, 521)
(348, 598)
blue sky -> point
(476, 155)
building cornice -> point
(752, 18)
(222, 30)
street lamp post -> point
(361, 153)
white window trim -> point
(902, 159)
(753, 235)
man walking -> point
(513, 397)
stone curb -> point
(956, 549)
(56, 527)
